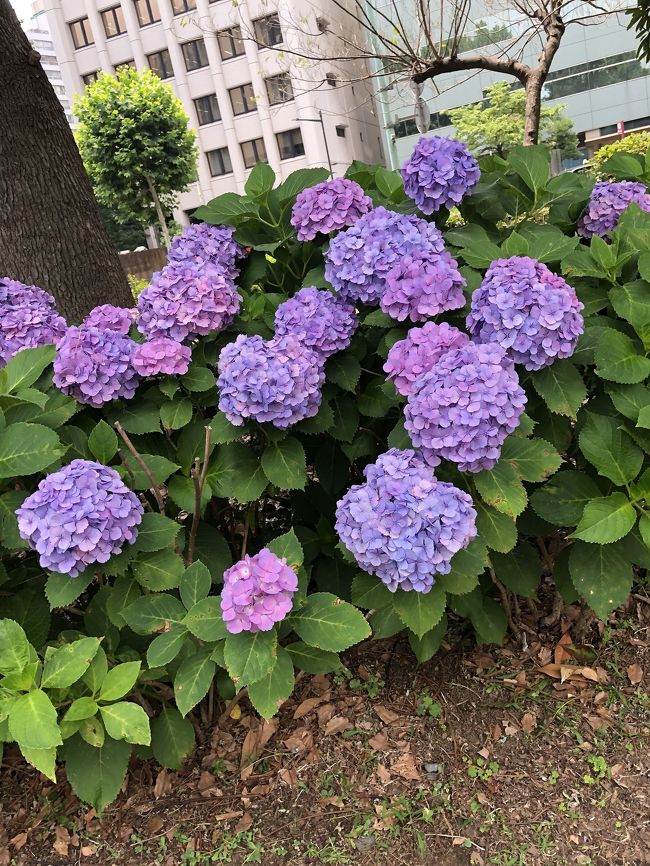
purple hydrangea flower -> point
(79, 515)
(423, 347)
(95, 366)
(528, 310)
(257, 592)
(201, 244)
(359, 259)
(403, 524)
(322, 321)
(110, 318)
(421, 285)
(162, 355)
(185, 301)
(28, 319)
(327, 207)
(465, 406)
(606, 204)
(440, 172)
(275, 380)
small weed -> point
(480, 769)
(426, 706)
(599, 770)
(218, 768)
(553, 777)
(372, 686)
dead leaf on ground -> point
(635, 673)
(88, 850)
(308, 705)
(383, 774)
(61, 842)
(406, 767)
(560, 654)
(379, 742)
(18, 841)
(528, 722)
(387, 716)
(337, 724)
(289, 776)
(300, 741)
(244, 823)
(163, 784)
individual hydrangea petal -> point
(528, 310)
(422, 285)
(359, 259)
(606, 204)
(28, 319)
(275, 380)
(79, 515)
(402, 523)
(257, 592)
(328, 206)
(423, 347)
(202, 244)
(322, 321)
(162, 355)
(95, 366)
(463, 408)
(184, 301)
(110, 318)
(439, 173)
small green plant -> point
(599, 770)
(481, 769)
(372, 686)
(426, 706)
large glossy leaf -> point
(172, 738)
(64, 665)
(326, 622)
(270, 692)
(606, 519)
(96, 774)
(601, 574)
(192, 680)
(250, 656)
(420, 611)
(27, 448)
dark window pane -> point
(180, 7)
(330, 78)
(113, 20)
(219, 161)
(231, 43)
(290, 144)
(161, 64)
(195, 54)
(147, 11)
(90, 77)
(279, 89)
(340, 131)
(125, 64)
(207, 109)
(82, 35)
(268, 31)
(242, 99)
(253, 151)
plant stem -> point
(159, 211)
(505, 601)
(155, 489)
(198, 478)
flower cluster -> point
(421, 285)
(359, 259)
(403, 524)
(275, 380)
(327, 207)
(529, 311)
(162, 355)
(423, 347)
(81, 514)
(606, 204)
(439, 173)
(95, 366)
(185, 301)
(257, 592)
(110, 318)
(201, 244)
(465, 406)
(322, 321)
(28, 319)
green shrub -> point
(635, 142)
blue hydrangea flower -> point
(162, 355)
(201, 244)
(257, 592)
(324, 322)
(328, 206)
(28, 319)
(606, 204)
(110, 318)
(439, 173)
(421, 285)
(423, 347)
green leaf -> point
(195, 584)
(172, 738)
(532, 459)
(198, 378)
(532, 164)
(166, 646)
(9, 535)
(43, 759)
(562, 500)
(301, 179)
(119, 681)
(385, 622)
(182, 492)
(288, 547)
(369, 592)
(644, 528)
(223, 431)
(14, 647)
(344, 370)
(139, 417)
(155, 533)
(25, 367)
(152, 613)
(97, 671)
(520, 570)
(82, 708)
(213, 551)
(420, 611)
(250, 656)
(320, 422)
(176, 413)
(609, 449)
(388, 182)
(61, 590)
(126, 721)
(228, 208)
(96, 775)
(159, 570)
(27, 448)
(606, 520)
(159, 467)
(64, 665)
(489, 622)
(466, 566)
(602, 576)
(236, 473)
(426, 646)
(374, 403)
(313, 660)
(33, 722)
(204, 619)
(269, 693)
(495, 529)
(643, 420)
(561, 387)
(629, 400)
(103, 442)
(123, 593)
(501, 488)
(284, 464)
(326, 622)
(630, 302)
(192, 681)
(260, 181)
(618, 359)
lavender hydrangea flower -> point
(423, 347)
(95, 366)
(606, 204)
(403, 524)
(528, 310)
(440, 172)
(185, 301)
(327, 207)
(465, 406)
(322, 321)
(257, 592)
(421, 285)
(275, 380)
(162, 355)
(110, 318)
(359, 259)
(28, 319)
(201, 244)
(79, 515)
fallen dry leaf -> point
(324, 714)
(635, 674)
(337, 724)
(300, 741)
(61, 842)
(163, 784)
(88, 850)
(383, 774)
(379, 743)
(528, 722)
(154, 824)
(406, 767)
(459, 840)
(244, 823)
(18, 841)
(307, 706)
(561, 655)
(387, 716)
(289, 776)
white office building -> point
(38, 33)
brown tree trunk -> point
(533, 108)
(51, 231)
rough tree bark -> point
(51, 231)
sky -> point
(23, 9)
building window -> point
(231, 43)
(253, 151)
(330, 79)
(340, 131)
(89, 77)
(195, 54)
(113, 21)
(404, 128)
(180, 7)
(322, 24)
(82, 35)
(290, 144)
(147, 12)
(279, 89)
(207, 109)
(268, 31)
(219, 161)
(594, 74)
(125, 64)
(161, 64)
(242, 99)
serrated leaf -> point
(27, 448)
(63, 666)
(606, 519)
(152, 613)
(172, 738)
(236, 473)
(14, 647)
(630, 302)
(96, 774)
(192, 681)
(250, 656)
(532, 459)
(223, 431)
(166, 646)
(123, 593)
(288, 547)
(466, 567)
(33, 721)
(80, 709)
(520, 570)
(602, 576)
(313, 660)
(498, 531)
(195, 584)
(160, 468)
(198, 378)
(25, 367)
(561, 387)
(61, 589)
(326, 622)
(44, 760)
(618, 359)
(369, 592)
(420, 611)
(159, 570)
(175, 414)
(269, 693)
(501, 488)
(284, 464)
(562, 500)
(609, 449)
(140, 417)
(426, 646)
(126, 721)
(102, 442)
(155, 533)
(119, 681)
(344, 370)
(204, 619)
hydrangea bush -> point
(331, 416)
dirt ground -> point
(533, 754)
